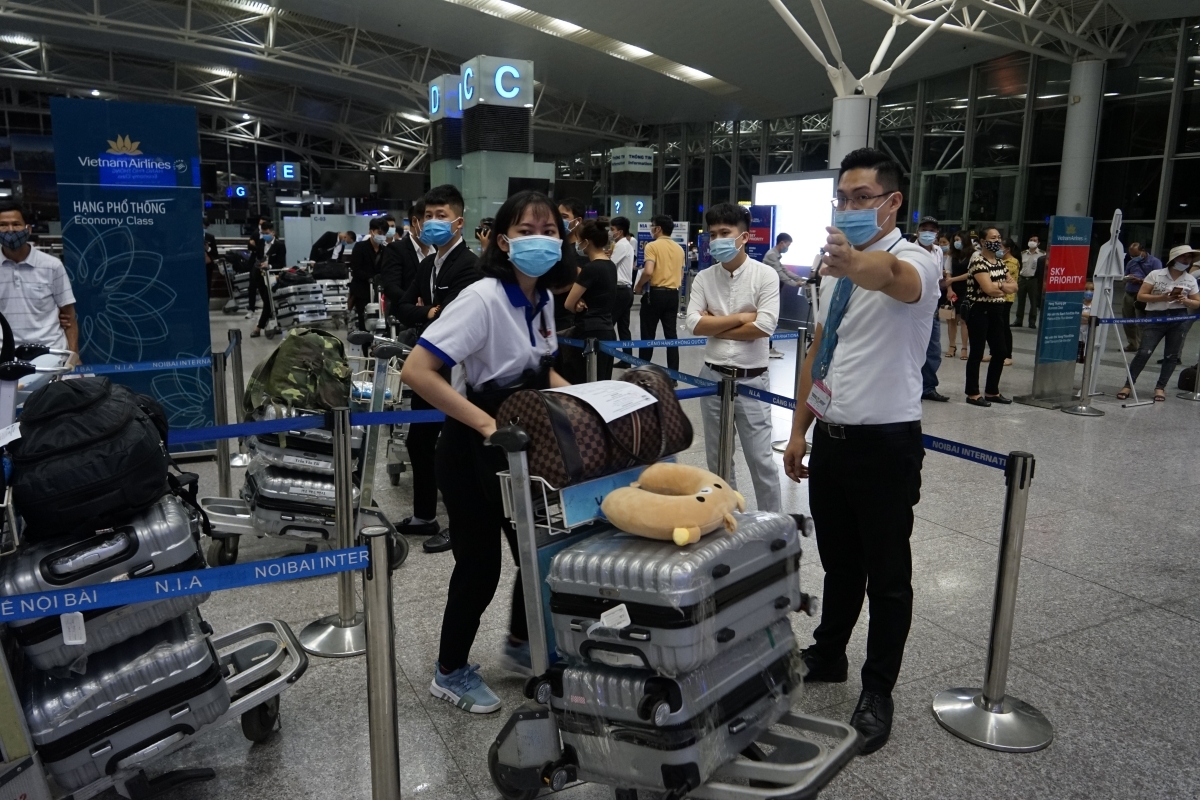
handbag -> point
(946, 313)
(570, 442)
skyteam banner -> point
(129, 195)
(1066, 277)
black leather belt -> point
(734, 372)
(866, 431)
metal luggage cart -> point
(397, 398)
(793, 760)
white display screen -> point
(802, 210)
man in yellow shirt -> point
(663, 271)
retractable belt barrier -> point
(691, 341)
(1144, 320)
(146, 366)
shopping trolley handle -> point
(511, 438)
(387, 350)
(360, 337)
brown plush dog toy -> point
(676, 502)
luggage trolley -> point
(397, 398)
(793, 760)
(257, 663)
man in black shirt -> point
(365, 263)
(402, 258)
(569, 362)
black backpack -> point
(331, 270)
(88, 454)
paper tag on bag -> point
(10, 433)
(616, 618)
(73, 629)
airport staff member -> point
(501, 330)
(35, 292)
(735, 303)
(622, 258)
(774, 260)
(861, 382)
(662, 269)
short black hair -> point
(352, 235)
(378, 224)
(621, 224)
(7, 206)
(417, 211)
(391, 220)
(663, 221)
(781, 238)
(445, 195)
(725, 214)
(495, 262)
(887, 172)
(267, 225)
(572, 204)
(594, 232)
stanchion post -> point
(1084, 409)
(382, 717)
(341, 634)
(221, 412)
(988, 717)
(728, 395)
(1195, 394)
(591, 351)
(241, 458)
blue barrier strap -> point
(1143, 320)
(767, 397)
(229, 350)
(698, 391)
(191, 435)
(145, 366)
(607, 347)
(783, 337)
(396, 417)
(176, 584)
(693, 341)
(964, 451)
(572, 342)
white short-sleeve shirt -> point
(1163, 283)
(31, 292)
(493, 331)
(622, 258)
(875, 374)
(751, 287)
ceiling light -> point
(414, 117)
(95, 92)
(633, 51)
(386, 148)
(17, 38)
(245, 116)
(224, 72)
(258, 8)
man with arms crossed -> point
(861, 382)
(35, 292)
(735, 303)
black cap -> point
(925, 220)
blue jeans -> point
(933, 358)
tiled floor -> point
(1106, 639)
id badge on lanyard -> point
(819, 399)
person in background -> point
(987, 318)
(774, 259)
(735, 303)
(210, 256)
(693, 257)
(391, 232)
(483, 233)
(956, 287)
(592, 297)
(927, 238)
(402, 258)
(344, 246)
(1028, 288)
(662, 272)
(622, 258)
(1088, 293)
(1014, 271)
(365, 263)
(1141, 263)
(270, 253)
(569, 363)
(35, 291)
(1168, 292)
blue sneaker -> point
(516, 658)
(465, 689)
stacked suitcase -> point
(677, 658)
(337, 294)
(143, 674)
(299, 305)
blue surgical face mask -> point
(392, 231)
(724, 250)
(859, 225)
(945, 248)
(533, 255)
(958, 244)
(437, 232)
(580, 248)
(267, 237)
(1087, 295)
(927, 238)
(378, 238)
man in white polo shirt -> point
(735, 303)
(861, 381)
(34, 288)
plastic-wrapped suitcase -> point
(290, 318)
(149, 692)
(297, 457)
(636, 728)
(299, 293)
(316, 440)
(686, 604)
(287, 503)
(164, 538)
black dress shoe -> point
(935, 396)
(407, 527)
(872, 718)
(822, 670)
(978, 401)
(998, 398)
(438, 543)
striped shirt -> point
(31, 293)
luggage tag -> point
(614, 619)
(819, 399)
(73, 629)
(10, 433)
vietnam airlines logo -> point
(1070, 228)
(123, 147)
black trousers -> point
(569, 362)
(466, 470)
(422, 447)
(604, 362)
(258, 288)
(622, 305)
(660, 306)
(861, 493)
(986, 323)
(1008, 327)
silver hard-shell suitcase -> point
(687, 604)
(315, 440)
(288, 503)
(162, 539)
(298, 293)
(296, 458)
(149, 692)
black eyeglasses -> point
(858, 201)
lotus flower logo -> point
(123, 147)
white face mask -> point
(1032, 245)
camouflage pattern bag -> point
(308, 370)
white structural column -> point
(852, 125)
(1080, 138)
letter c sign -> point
(507, 69)
(468, 88)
